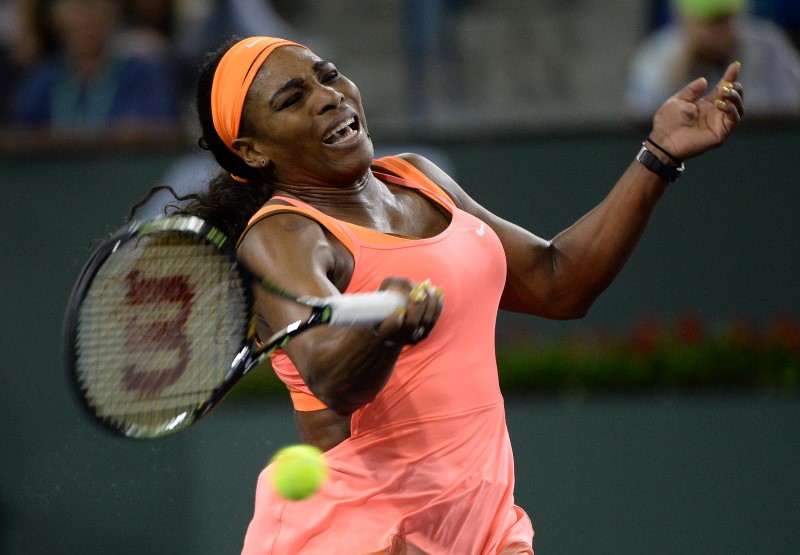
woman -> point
(409, 412)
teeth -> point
(340, 127)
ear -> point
(251, 152)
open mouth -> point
(343, 132)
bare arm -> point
(344, 367)
(561, 278)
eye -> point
(331, 76)
(291, 101)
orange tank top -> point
(429, 460)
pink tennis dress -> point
(428, 464)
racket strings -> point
(159, 327)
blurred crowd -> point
(123, 68)
(701, 37)
(126, 67)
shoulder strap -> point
(335, 227)
(409, 172)
(349, 236)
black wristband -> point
(664, 171)
(677, 161)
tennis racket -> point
(160, 324)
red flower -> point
(646, 336)
(689, 329)
(786, 330)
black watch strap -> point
(664, 171)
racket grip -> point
(364, 308)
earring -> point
(263, 162)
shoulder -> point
(281, 235)
(295, 248)
(146, 75)
(285, 225)
(761, 35)
(43, 75)
(141, 66)
(661, 49)
(654, 71)
(297, 228)
(31, 104)
(664, 43)
(762, 28)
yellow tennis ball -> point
(298, 471)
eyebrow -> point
(295, 83)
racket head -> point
(159, 326)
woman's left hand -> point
(688, 123)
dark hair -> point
(227, 204)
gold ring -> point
(420, 291)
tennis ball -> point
(298, 471)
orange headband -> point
(232, 79)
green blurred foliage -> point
(686, 356)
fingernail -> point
(401, 314)
(438, 292)
(738, 63)
(727, 88)
(719, 102)
(420, 291)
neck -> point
(367, 201)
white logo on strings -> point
(252, 44)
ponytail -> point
(228, 203)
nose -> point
(328, 99)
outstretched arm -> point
(562, 277)
(345, 367)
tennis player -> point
(409, 412)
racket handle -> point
(364, 308)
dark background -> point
(657, 473)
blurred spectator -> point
(149, 29)
(18, 48)
(203, 24)
(88, 83)
(8, 24)
(433, 54)
(785, 13)
(705, 37)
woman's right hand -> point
(414, 323)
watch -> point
(664, 171)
